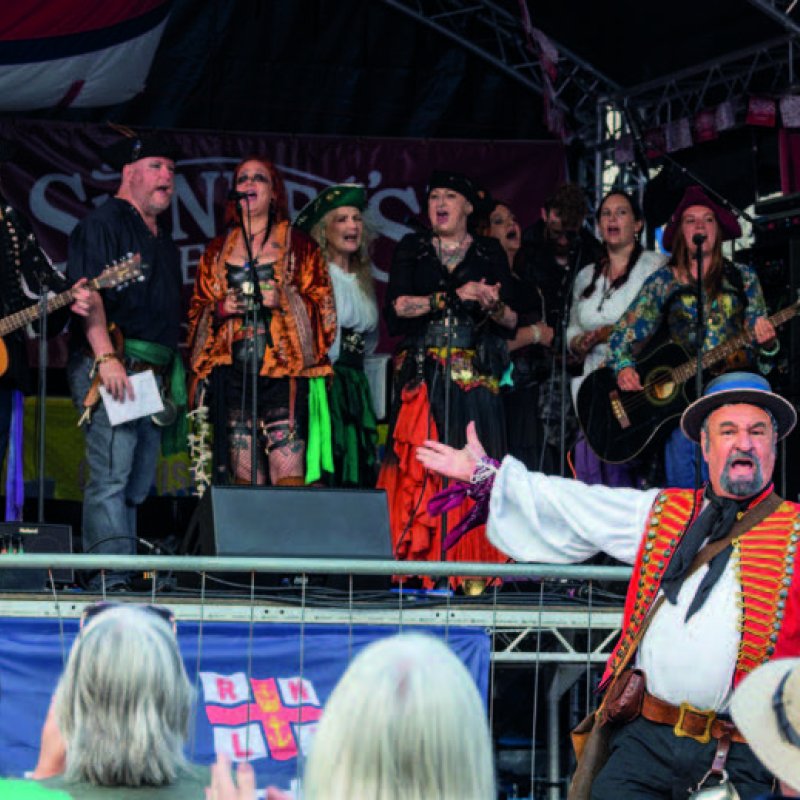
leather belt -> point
(459, 335)
(135, 365)
(688, 721)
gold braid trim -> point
(764, 562)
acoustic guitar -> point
(113, 277)
(618, 425)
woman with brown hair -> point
(293, 330)
(734, 303)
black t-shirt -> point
(417, 271)
(149, 309)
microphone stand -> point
(259, 311)
(448, 374)
(42, 393)
(700, 334)
(568, 281)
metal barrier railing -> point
(572, 638)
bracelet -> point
(437, 301)
(773, 350)
(101, 359)
(497, 309)
(537, 334)
(105, 357)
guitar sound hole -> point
(660, 387)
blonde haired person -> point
(334, 219)
(405, 722)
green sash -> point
(319, 451)
(173, 437)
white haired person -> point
(122, 710)
(405, 722)
(766, 709)
(335, 220)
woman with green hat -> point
(335, 220)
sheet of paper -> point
(146, 399)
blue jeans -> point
(122, 464)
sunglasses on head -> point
(93, 610)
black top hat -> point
(133, 148)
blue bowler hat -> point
(738, 387)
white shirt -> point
(354, 309)
(537, 517)
(605, 306)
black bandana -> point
(714, 523)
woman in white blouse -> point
(602, 293)
(335, 220)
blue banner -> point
(260, 688)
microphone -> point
(698, 239)
(234, 194)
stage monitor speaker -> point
(34, 537)
(291, 522)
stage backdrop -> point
(57, 177)
(259, 697)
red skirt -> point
(416, 536)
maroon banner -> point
(57, 177)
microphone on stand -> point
(234, 194)
(698, 239)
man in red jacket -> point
(722, 558)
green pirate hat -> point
(342, 194)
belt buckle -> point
(702, 738)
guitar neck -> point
(689, 369)
(20, 319)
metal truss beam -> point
(688, 91)
(496, 35)
(521, 635)
(779, 10)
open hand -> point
(452, 463)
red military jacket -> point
(764, 558)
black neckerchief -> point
(713, 523)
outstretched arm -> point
(452, 463)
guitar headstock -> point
(122, 271)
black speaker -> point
(291, 522)
(34, 537)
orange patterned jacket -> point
(303, 328)
(764, 559)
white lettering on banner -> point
(195, 216)
(387, 227)
(203, 217)
(48, 214)
(243, 743)
(227, 690)
(190, 258)
(296, 692)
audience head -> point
(405, 722)
(766, 709)
(124, 700)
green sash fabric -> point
(355, 429)
(173, 437)
(319, 452)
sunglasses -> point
(95, 609)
